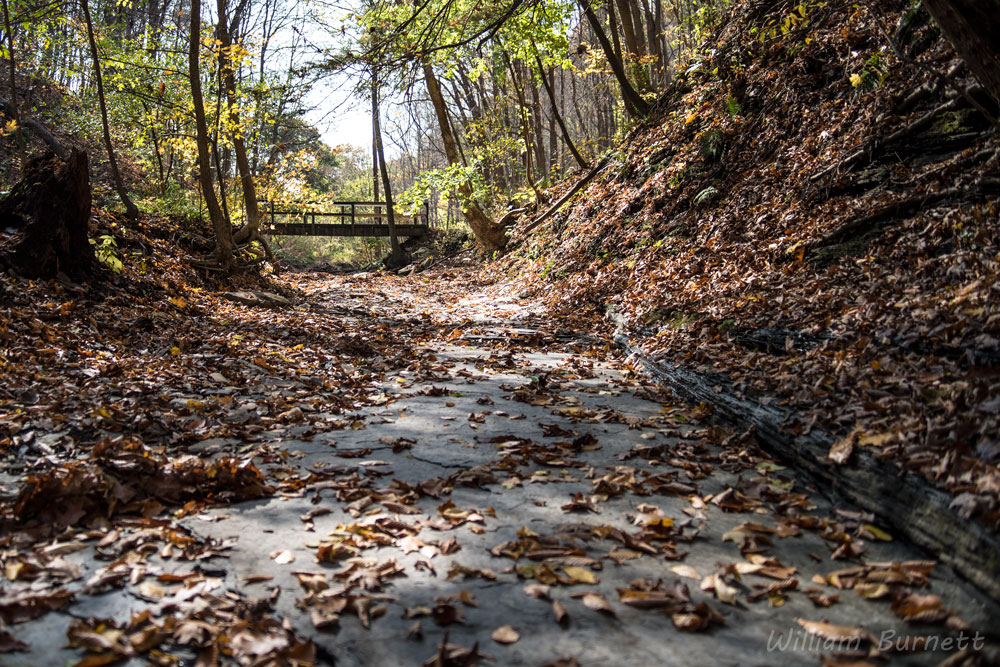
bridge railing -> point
(344, 212)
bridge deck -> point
(354, 218)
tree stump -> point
(49, 209)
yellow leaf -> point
(877, 533)
(871, 591)
(580, 574)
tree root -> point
(983, 186)
(868, 152)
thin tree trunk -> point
(555, 110)
(525, 130)
(396, 256)
(486, 231)
(375, 140)
(625, 18)
(634, 104)
(251, 230)
(221, 227)
(21, 151)
(131, 210)
(612, 22)
(538, 129)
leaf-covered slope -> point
(813, 215)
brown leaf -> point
(540, 591)
(9, 643)
(841, 451)
(920, 608)
(560, 613)
(580, 575)
(698, 619)
(838, 633)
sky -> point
(344, 118)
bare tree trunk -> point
(251, 230)
(555, 110)
(375, 140)
(396, 256)
(538, 131)
(21, 152)
(131, 210)
(525, 131)
(486, 231)
(221, 227)
(634, 104)
(625, 17)
(972, 27)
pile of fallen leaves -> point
(130, 478)
(792, 227)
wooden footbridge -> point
(340, 218)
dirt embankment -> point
(810, 222)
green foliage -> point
(706, 196)
(873, 74)
(447, 181)
(305, 251)
(106, 252)
(797, 18)
(174, 201)
(713, 145)
(733, 107)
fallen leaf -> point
(597, 602)
(685, 571)
(840, 452)
(580, 575)
(560, 613)
(505, 634)
(282, 557)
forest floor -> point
(420, 470)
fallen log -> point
(572, 191)
(906, 502)
(40, 130)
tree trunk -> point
(50, 206)
(634, 104)
(375, 151)
(221, 226)
(628, 29)
(525, 130)
(251, 230)
(397, 257)
(487, 232)
(21, 153)
(538, 131)
(131, 210)
(555, 110)
(972, 27)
